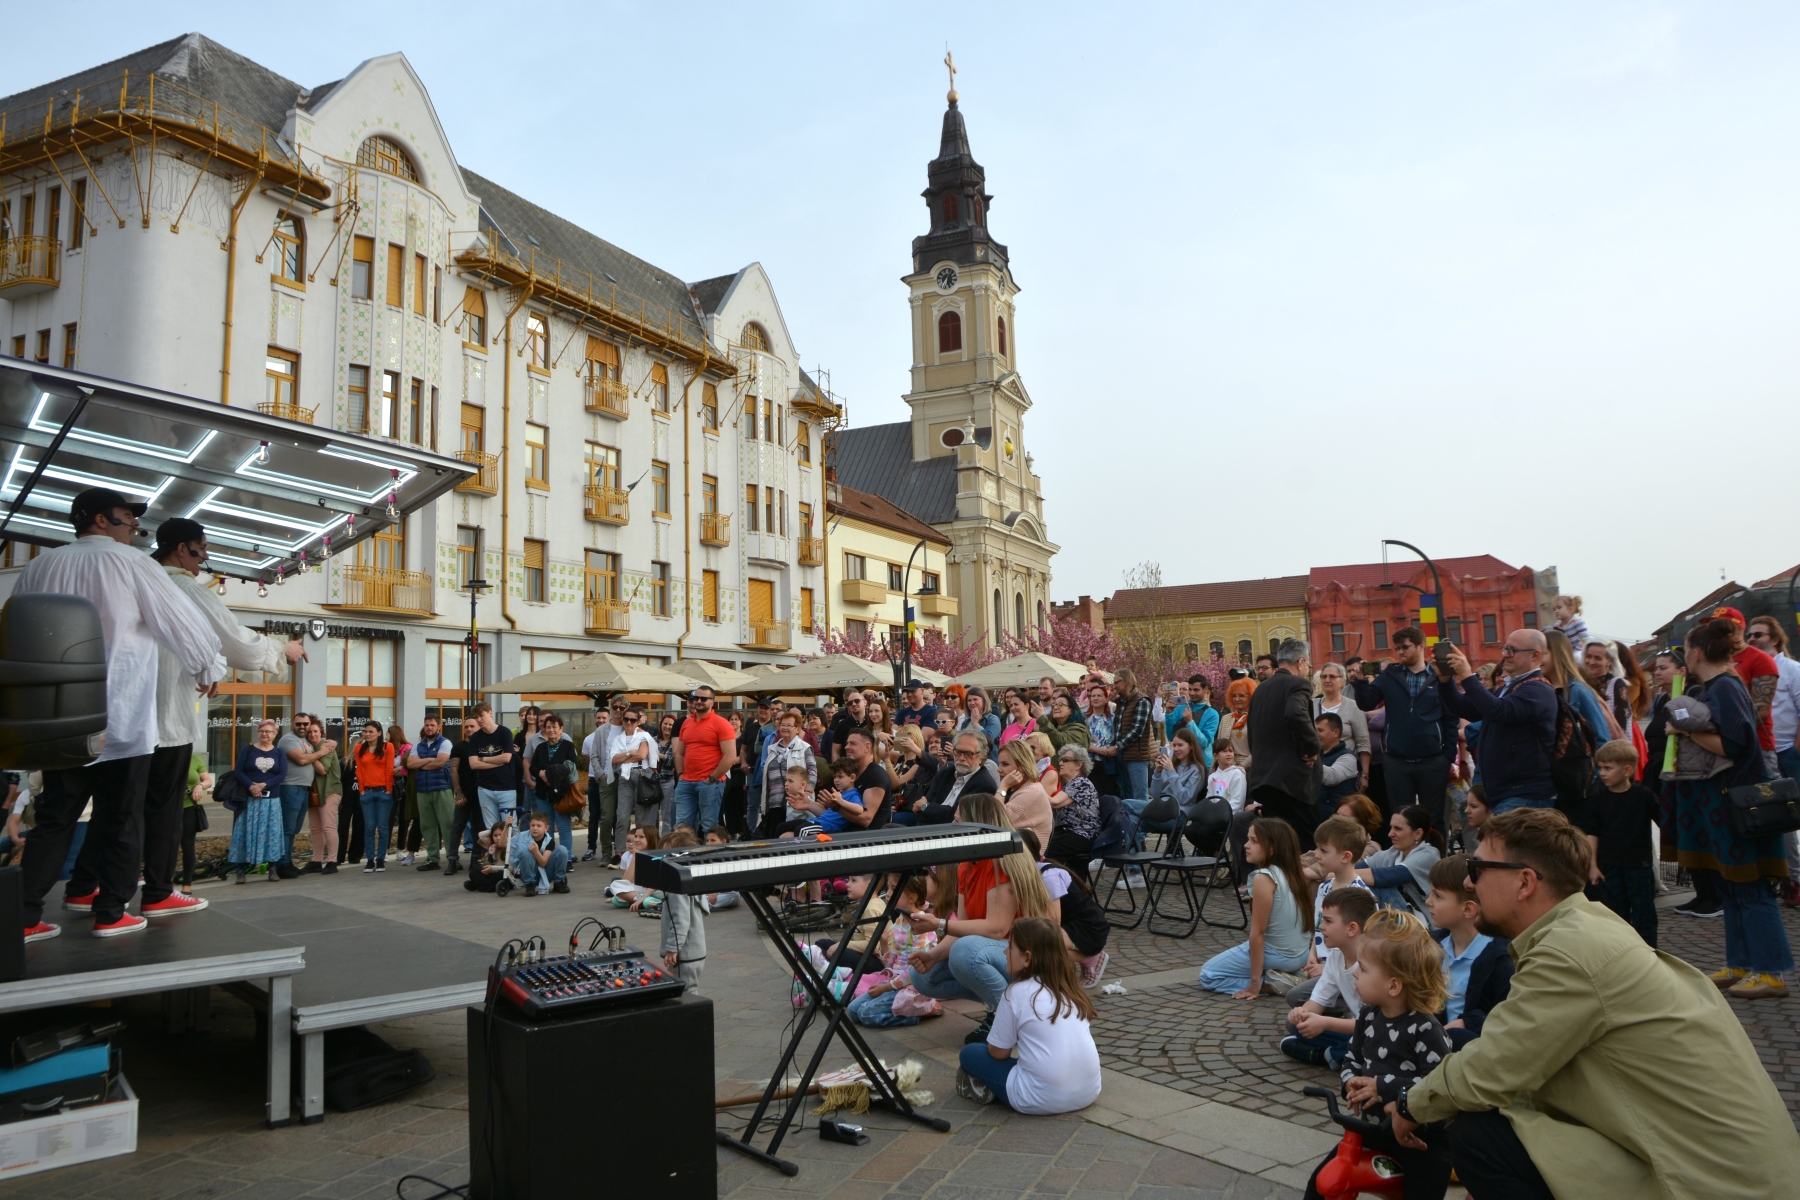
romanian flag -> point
(1428, 617)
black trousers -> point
(165, 795)
(350, 827)
(1420, 783)
(117, 788)
(465, 814)
(1072, 851)
(1301, 814)
(1491, 1161)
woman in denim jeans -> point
(969, 960)
(375, 776)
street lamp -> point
(1429, 603)
(474, 587)
(926, 588)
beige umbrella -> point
(1022, 669)
(832, 673)
(936, 679)
(727, 681)
(762, 669)
(593, 674)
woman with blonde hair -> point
(1564, 674)
(1026, 799)
(1045, 749)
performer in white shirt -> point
(140, 609)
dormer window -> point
(949, 333)
(386, 155)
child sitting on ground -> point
(540, 863)
(1477, 965)
(859, 937)
(488, 864)
(891, 1000)
(718, 835)
(1044, 1014)
(1315, 1034)
(1338, 842)
(1400, 979)
(1617, 823)
(684, 924)
(624, 891)
(1083, 921)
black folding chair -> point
(1161, 811)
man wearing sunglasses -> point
(1610, 1071)
(605, 833)
(705, 752)
(1518, 721)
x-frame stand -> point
(882, 1087)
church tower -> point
(968, 400)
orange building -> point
(1354, 609)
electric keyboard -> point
(584, 980)
(694, 870)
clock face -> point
(947, 278)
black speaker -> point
(12, 925)
(52, 682)
(543, 1096)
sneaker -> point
(1715, 910)
(1094, 969)
(406, 860)
(125, 924)
(381, 864)
(971, 1088)
(588, 857)
(369, 867)
(314, 868)
(560, 887)
(1728, 976)
(1757, 987)
(80, 904)
(980, 1032)
(330, 869)
(172, 905)
(1299, 1051)
(42, 932)
(613, 862)
(428, 865)
(240, 877)
(1096, 865)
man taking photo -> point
(1421, 730)
(1518, 722)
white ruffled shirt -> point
(140, 611)
(181, 710)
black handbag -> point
(1761, 809)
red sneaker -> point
(172, 905)
(80, 904)
(42, 932)
(125, 924)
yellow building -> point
(868, 543)
(1230, 621)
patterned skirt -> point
(258, 835)
(1694, 810)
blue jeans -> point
(1754, 938)
(1134, 780)
(295, 800)
(533, 876)
(697, 804)
(495, 803)
(981, 1065)
(1512, 802)
(1139, 827)
(1333, 1044)
(562, 823)
(1229, 970)
(377, 811)
(974, 970)
(877, 1012)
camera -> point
(1442, 652)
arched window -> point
(1217, 650)
(1192, 650)
(1245, 648)
(1003, 337)
(999, 617)
(949, 333)
(1274, 644)
(290, 248)
(1019, 611)
(388, 156)
(950, 208)
(754, 337)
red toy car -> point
(1356, 1171)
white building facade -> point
(647, 450)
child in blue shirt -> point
(1478, 966)
(834, 805)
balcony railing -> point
(387, 590)
(768, 635)
(715, 529)
(608, 618)
(812, 550)
(486, 479)
(611, 505)
(29, 265)
(287, 410)
(608, 398)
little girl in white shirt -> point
(1227, 779)
(1044, 1015)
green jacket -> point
(1075, 733)
(1622, 1069)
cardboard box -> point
(66, 1138)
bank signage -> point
(318, 630)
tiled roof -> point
(878, 459)
(1781, 577)
(1241, 595)
(1403, 570)
(529, 228)
(865, 506)
(709, 293)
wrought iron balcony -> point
(608, 618)
(287, 411)
(715, 529)
(608, 398)
(386, 590)
(812, 550)
(767, 635)
(486, 480)
(611, 505)
(29, 265)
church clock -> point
(946, 278)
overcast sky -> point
(1514, 278)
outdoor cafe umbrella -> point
(832, 673)
(1022, 669)
(726, 681)
(595, 674)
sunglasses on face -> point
(631, 720)
(1478, 865)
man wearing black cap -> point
(140, 611)
(918, 709)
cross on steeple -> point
(950, 62)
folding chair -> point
(1159, 812)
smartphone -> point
(1442, 652)
(1370, 668)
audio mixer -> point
(583, 980)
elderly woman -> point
(259, 836)
(1333, 699)
(1236, 725)
(1074, 812)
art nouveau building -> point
(649, 478)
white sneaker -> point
(406, 860)
(1095, 865)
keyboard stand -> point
(882, 1089)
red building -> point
(1353, 610)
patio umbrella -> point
(1024, 668)
(597, 673)
(832, 673)
(727, 681)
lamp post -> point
(474, 587)
(1429, 603)
(906, 608)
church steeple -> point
(957, 200)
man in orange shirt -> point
(705, 752)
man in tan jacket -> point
(1611, 1070)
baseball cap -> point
(178, 531)
(914, 683)
(1730, 614)
(95, 501)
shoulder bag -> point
(1756, 810)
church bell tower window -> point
(949, 333)
(950, 208)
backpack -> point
(1115, 826)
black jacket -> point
(1422, 728)
(983, 780)
(1517, 731)
(1490, 979)
(1281, 732)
